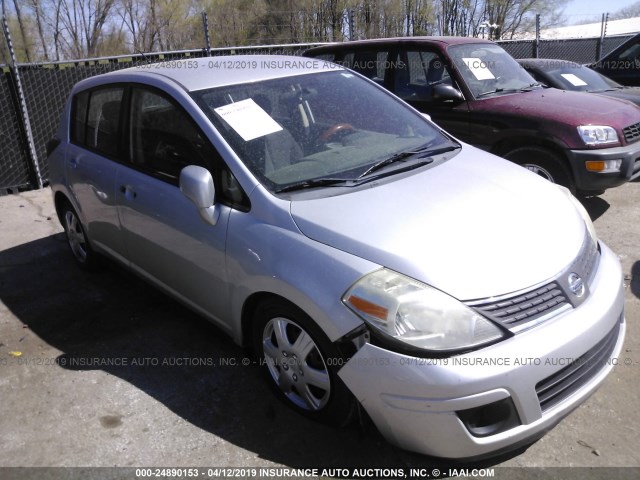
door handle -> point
(128, 191)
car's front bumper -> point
(596, 181)
(414, 401)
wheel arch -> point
(249, 309)
(563, 165)
(59, 199)
(509, 144)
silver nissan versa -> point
(371, 259)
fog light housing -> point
(490, 419)
(603, 166)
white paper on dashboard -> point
(573, 79)
(248, 119)
(479, 68)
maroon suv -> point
(476, 91)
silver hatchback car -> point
(371, 260)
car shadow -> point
(595, 206)
(179, 359)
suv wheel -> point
(544, 163)
(83, 254)
(300, 363)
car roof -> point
(210, 72)
(443, 40)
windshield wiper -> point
(403, 156)
(531, 85)
(490, 92)
(352, 182)
(313, 183)
(506, 90)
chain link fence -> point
(14, 159)
(46, 87)
(580, 50)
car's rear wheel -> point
(81, 250)
(544, 163)
(300, 363)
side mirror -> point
(197, 185)
(443, 92)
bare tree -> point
(83, 22)
(629, 11)
(36, 9)
(23, 30)
(513, 16)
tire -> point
(298, 361)
(77, 240)
(544, 163)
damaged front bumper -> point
(497, 398)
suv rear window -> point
(369, 63)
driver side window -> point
(163, 139)
(416, 73)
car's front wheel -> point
(300, 363)
(544, 163)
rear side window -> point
(79, 117)
(96, 120)
(329, 57)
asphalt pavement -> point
(100, 369)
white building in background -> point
(625, 26)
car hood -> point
(631, 94)
(475, 226)
(563, 106)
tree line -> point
(52, 30)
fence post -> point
(22, 105)
(205, 26)
(352, 34)
(536, 43)
(603, 33)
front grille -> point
(555, 388)
(526, 309)
(632, 133)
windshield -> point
(579, 78)
(487, 69)
(322, 126)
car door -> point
(92, 163)
(166, 239)
(415, 72)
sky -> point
(586, 9)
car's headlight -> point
(597, 134)
(418, 315)
(582, 211)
